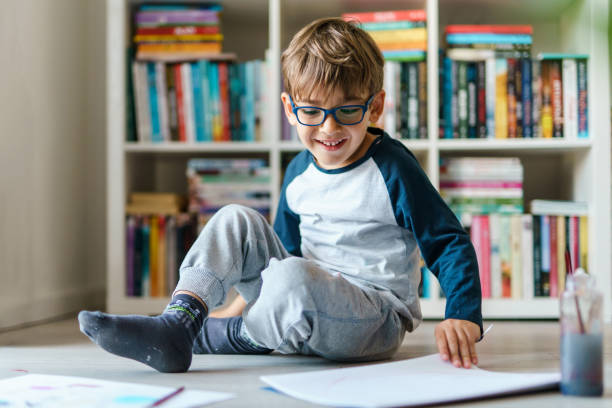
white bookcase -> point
(554, 169)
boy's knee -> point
(237, 213)
(288, 275)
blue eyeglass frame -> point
(332, 111)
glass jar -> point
(581, 336)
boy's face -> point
(332, 144)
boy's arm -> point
(448, 252)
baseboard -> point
(30, 308)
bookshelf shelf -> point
(212, 147)
(514, 145)
(554, 169)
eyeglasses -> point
(344, 115)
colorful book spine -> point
(448, 98)
(516, 271)
(546, 113)
(180, 102)
(488, 29)
(413, 101)
(156, 135)
(385, 16)
(495, 264)
(481, 117)
(537, 255)
(511, 87)
(176, 17)
(129, 256)
(177, 30)
(569, 80)
(584, 242)
(561, 247)
(505, 254)
(527, 98)
(490, 96)
(545, 254)
(422, 103)
(536, 103)
(501, 98)
(198, 102)
(472, 102)
(462, 99)
(556, 98)
(574, 243)
(188, 102)
(527, 255)
(487, 38)
(554, 265)
(582, 75)
(145, 288)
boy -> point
(339, 273)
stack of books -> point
(522, 256)
(214, 183)
(482, 185)
(401, 35)
(202, 101)
(560, 96)
(170, 32)
(492, 88)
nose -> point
(330, 125)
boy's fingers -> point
(464, 348)
(442, 346)
(453, 345)
(472, 344)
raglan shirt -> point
(372, 220)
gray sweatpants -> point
(294, 306)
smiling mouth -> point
(332, 144)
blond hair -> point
(332, 54)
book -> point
(501, 98)
(583, 112)
(129, 256)
(583, 240)
(488, 29)
(553, 276)
(570, 98)
(527, 97)
(536, 102)
(516, 268)
(546, 113)
(561, 247)
(177, 30)
(556, 97)
(559, 207)
(495, 260)
(537, 255)
(545, 255)
(505, 255)
(511, 98)
(527, 256)
(174, 17)
(384, 16)
(487, 38)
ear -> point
(287, 109)
(377, 106)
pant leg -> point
(304, 309)
(232, 250)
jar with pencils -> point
(581, 336)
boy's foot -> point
(163, 342)
(226, 336)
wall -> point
(51, 158)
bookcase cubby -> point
(553, 168)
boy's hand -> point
(456, 340)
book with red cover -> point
(179, 103)
(379, 16)
(488, 28)
(556, 99)
(224, 99)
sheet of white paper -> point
(50, 391)
(418, 381)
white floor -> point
(59, 348)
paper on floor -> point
(418, 381)
(38, 390)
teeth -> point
(330, 143)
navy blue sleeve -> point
(287, 222)
(444, 244)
